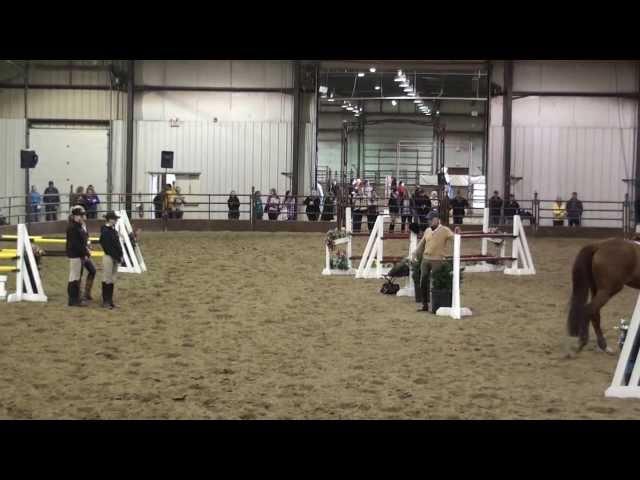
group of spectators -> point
(88, 199)
(169, 203)
(286, 208)
(571, 211)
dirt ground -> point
(243, 325)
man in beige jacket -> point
(431, 252)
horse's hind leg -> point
(598, 301)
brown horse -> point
(603, 268)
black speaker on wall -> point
(166, 160)
(28, 159)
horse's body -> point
(603, 269)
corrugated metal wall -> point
(565, 144)
(228, 156)
(63, 104)
(12, 138)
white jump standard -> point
(626, 379)
(521, 263)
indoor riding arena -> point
(244, 219)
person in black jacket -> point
(495, 209)
(313, 206)
(77, 252)
(51, 200)
(511, 208)
(234, 206)
(110, 242)
(158, 202)
(458, 206)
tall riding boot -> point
(105, 295)
(74, 298)
(87, 288)
(70, 293)
(111, 287)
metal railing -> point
(211, 206)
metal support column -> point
(315, 132)
(295, 138)
(506, 122)
(129, 155)
(636, 183)
(27, 203)
(487, 127)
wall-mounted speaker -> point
(28, 159)
(166, 160)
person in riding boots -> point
(87, 264)
(77, 252)
(431, 252)
(110, 242)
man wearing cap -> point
(110, 242)
(431, 253)
(77, 252)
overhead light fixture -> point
(372, 69)
(361, 74)
(394, 102)
(377, 87)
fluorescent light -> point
(377, 87)
(361, 74)
(331, 99)
(372, 69)
(394, 102)
(398, 79)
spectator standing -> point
(79, 198)
(157, 204)
(574, 210)
(435, 206)
(92, 200)
(394, 206)
(359, 205)
(495, 207)
(422, 206)
(372, 204)
(328, 210)
(559, 212)
(511, 208)
(35, 202)
(290, 205)
(169, 196)
(51, 200)
(233, 202)
(273, 205)
(258, 207)
(178, 204)
(458, 205)
(405, 206)
(313, 206)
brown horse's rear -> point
(582, 277)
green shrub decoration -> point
(442, 277)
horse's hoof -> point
(606, 350)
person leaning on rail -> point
(431, 252)
(77, 252)
(110, 242)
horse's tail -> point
(582, 278)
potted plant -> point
(415, 274)
(442, 286)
